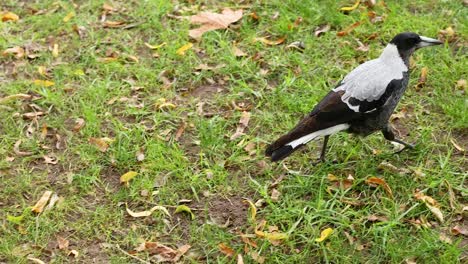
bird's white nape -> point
(324, 132)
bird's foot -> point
(318, 161)
(406, 146)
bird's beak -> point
(426, 42)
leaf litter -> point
(211, 21)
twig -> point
(134, 257)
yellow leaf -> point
(68, 17)
(253, 210)
(436, 212)
(100, 143)
(39, 206)
(324, 234)
(184, 208)
(149, 212)
(128, 176)
(351, 8)
(155, 46)
(271, 42)
(9, 16)
(44, 83)
(55, 50)
(181, 51)
(272, 236)
(42, 70)
(79, 72)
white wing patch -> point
(313, 135)
(369, 80)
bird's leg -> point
(389, 135)
(324, 150)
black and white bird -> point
(361, 103)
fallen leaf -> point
(9, 98)
(55, 50)
(62, 242)
(183, 208)
(125, 178)
(298, 45)
(275, 194)
(461, 84)
(324, 234)
(392, 168)
(226, 250)
(181, 51)
(68, 17)
(253, 210)
(74, 253)
(18, 151)
(444, 238)
(448, 34)
(422, 79)
(255, 256)
(36, 260)
(351, 8)
(271, 42)
(39, 206)
(140, 155)
(240, 260)
(9, 16)
(52, 201)
(44, 83)
(153, 47)
(347, 30)
(375, 218)
(243, 123)
(247, 241)
(212, 21)
(100, 143)
(321, 30)
(17, 51)
(458, 147)
(381, 182)
(431, 204)
(79, 124)
(149, 212)
(79, 30)
(180, 131)
(272, 236)
(163, 253)
(238, 52)
(457, 230)
(114, 24)
(50, 159)
(33, 115)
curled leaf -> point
(324, 234)
(68, 17)
(9, 98)
(9, 16)
(153, 47)
(272, 235)
(149, 212)
(186, 209)
(271, 42)
(381, 182)
(351, 8)
(100, 143)
(321, 29)
(253, 210)
(44, 83)
(226, 250)
(212, 21)
(39, 206)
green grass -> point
(119, 99)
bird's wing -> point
(369, 85)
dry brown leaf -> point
(101, 143)
(247, 241)
(381, 182)
(240, 259)
(457, 230)
(36, 260)
(422, 79)
(39, 206)
(163, 253)
(347, 30)
(271, 42)
(33, 115)
(212, 21)
(180, 131)
(255, 256)
(149, 212)
(9, 16)
(114, 24)
(74, 253)
(275, 194)
(79, 124)
(226, 250)
(62, 242)
(431, 204)
(392, 168)
(458, 147)
(50, 159)
(321, 30)
(18, 151)
(79, 30)
(9, 98)
(17, 51)
(243, 123)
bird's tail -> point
(292, 141)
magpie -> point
(361, 103)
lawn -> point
(91, 91)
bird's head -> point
(408, 42)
